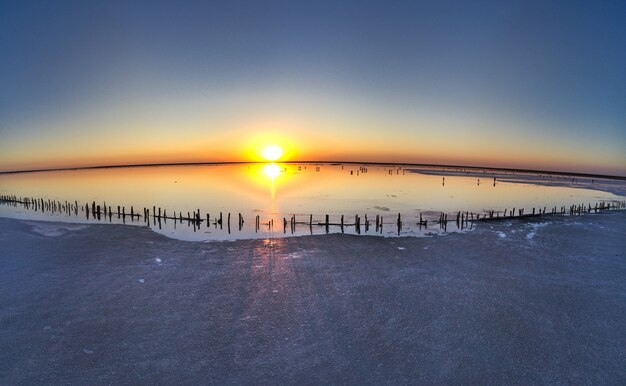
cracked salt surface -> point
(535, 227)
(52, 229)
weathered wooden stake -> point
(327, 223)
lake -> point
(300, 194)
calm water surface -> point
(278, 191)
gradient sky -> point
(504, 83)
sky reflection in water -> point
(277, 191)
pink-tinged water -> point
(275, 192)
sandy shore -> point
(518, 302)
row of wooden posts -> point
(157, 215)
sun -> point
(272, 152)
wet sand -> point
(615, 185)
(528, 301)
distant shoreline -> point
(404, 164)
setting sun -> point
(272, 152)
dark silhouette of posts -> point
(399, 222)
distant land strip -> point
(403, 164)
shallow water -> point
(275, 192)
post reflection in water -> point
(300, 194)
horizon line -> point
(535, 171)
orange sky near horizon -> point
(310, 127)
(237, 146)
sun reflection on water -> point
(272, 170)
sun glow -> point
(272, 152)
(272, 170)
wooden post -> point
(327, 223)
(399, 223)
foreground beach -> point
(516, 302)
